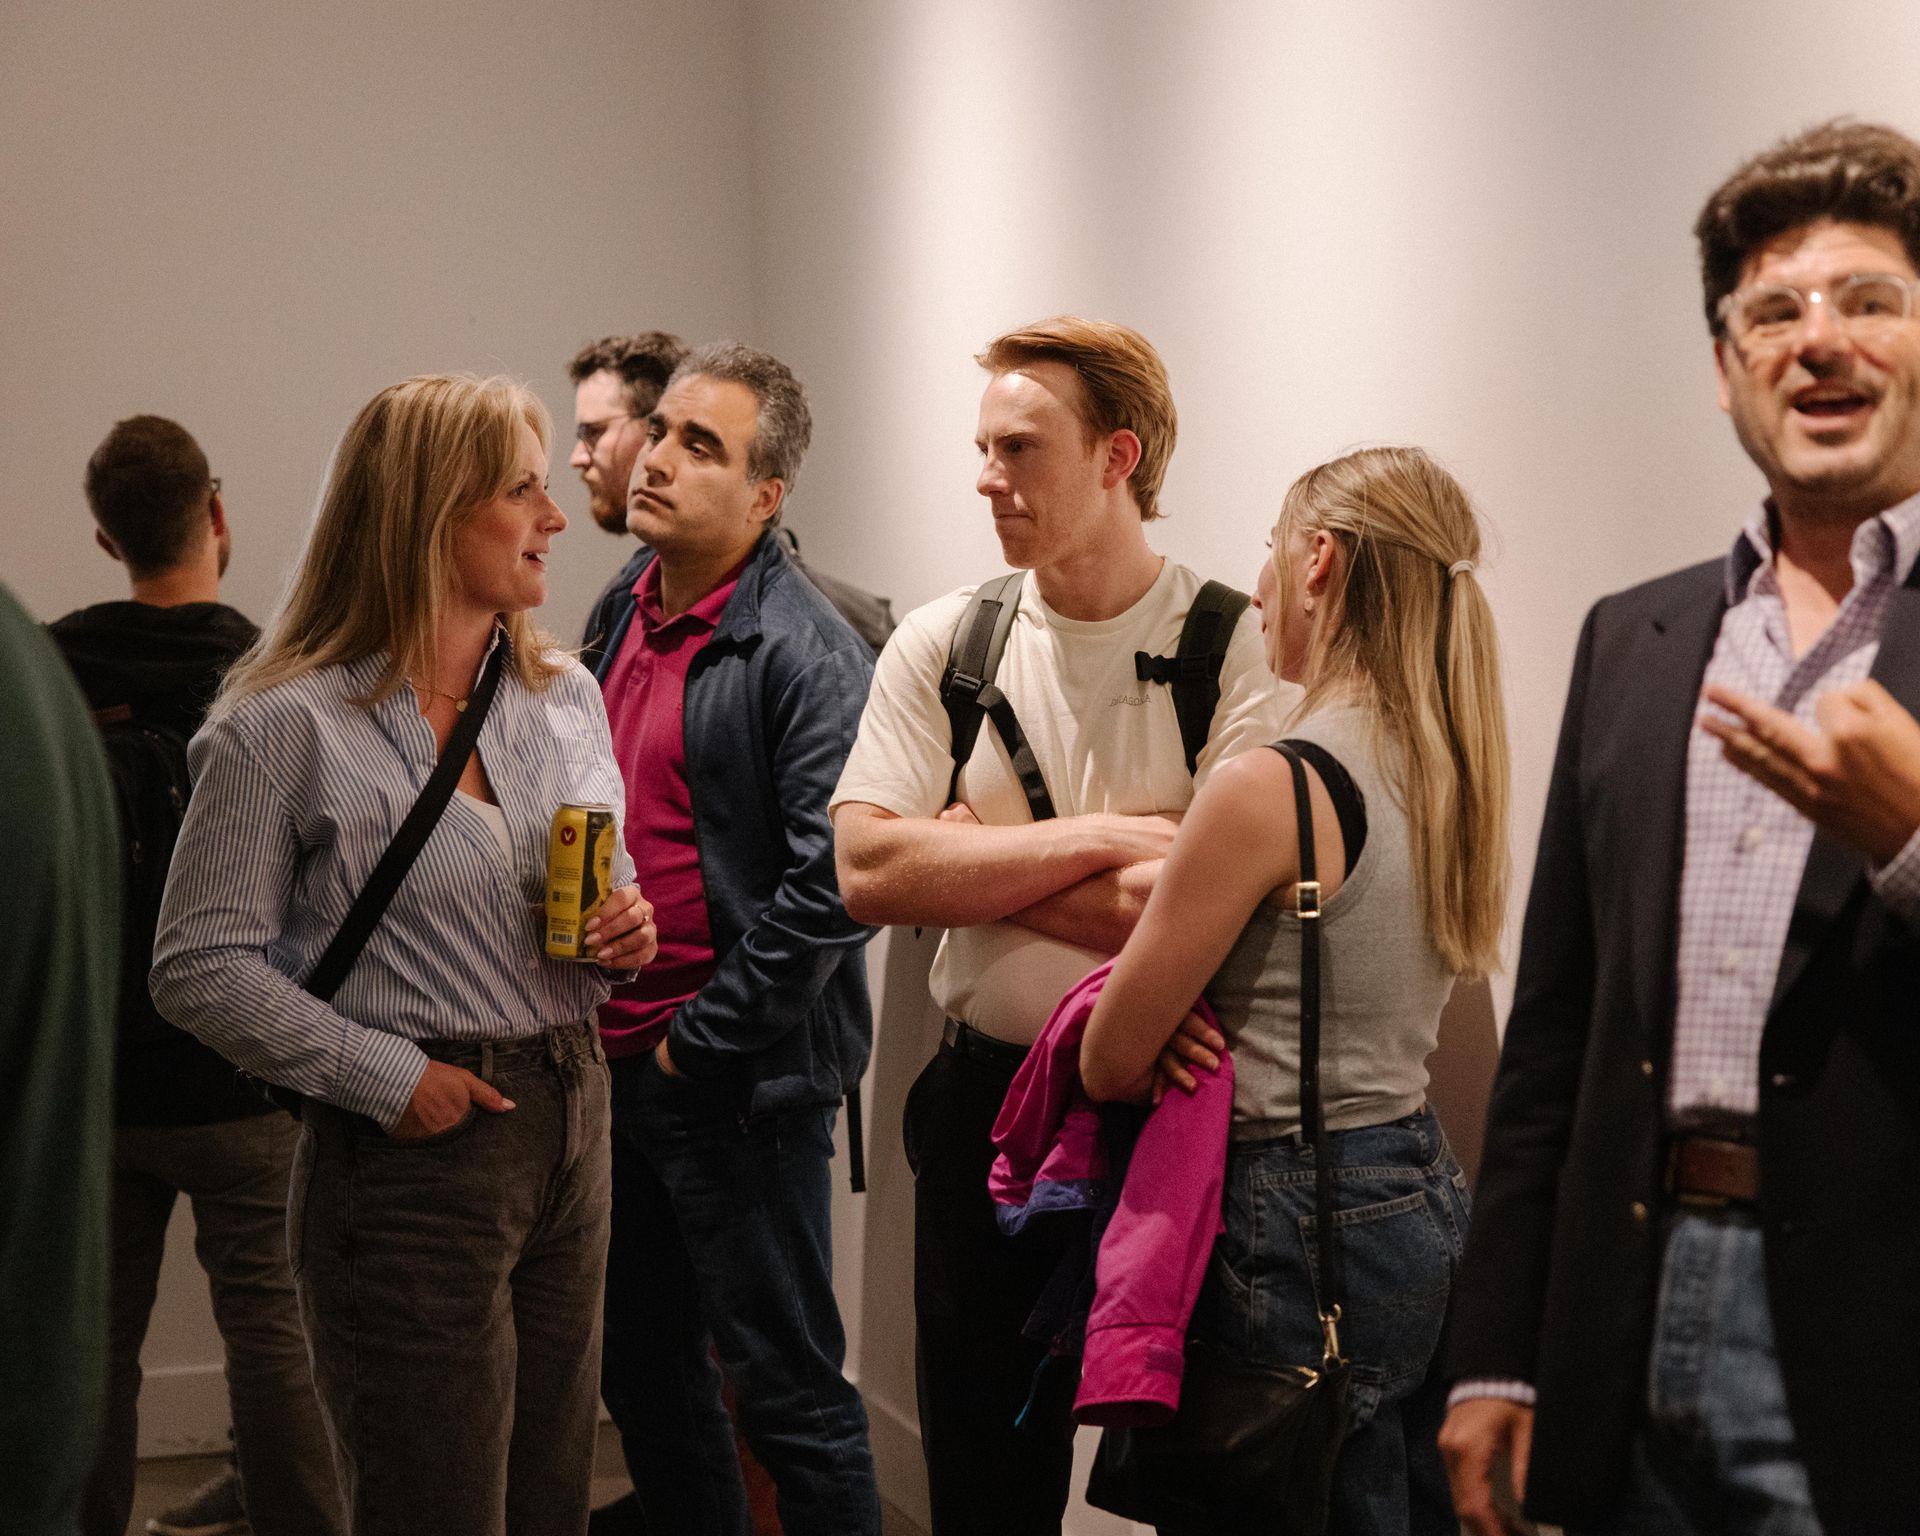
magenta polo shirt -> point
(644, 690)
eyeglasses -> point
(1771, 314)
(589, 433)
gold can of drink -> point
(579, 875)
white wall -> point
(252, 217)
(1463, 225)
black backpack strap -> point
(364, 916)
(147, 762)
(968, 692)
(1193, 671)
(1026, 766)
(856, 1142)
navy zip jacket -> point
(772, 704)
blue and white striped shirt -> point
(297, 792)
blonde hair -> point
(1123, 385)
(1415, 640)
(419, 460)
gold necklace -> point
(459, 703)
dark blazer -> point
(1558, 1282)
(773, 701)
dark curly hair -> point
(1860, 173)
(644, 363)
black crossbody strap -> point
(1312, 1109)
(371, 903)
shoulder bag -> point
(1252, 1449)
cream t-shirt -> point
(1104, 740)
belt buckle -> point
(1693, 1199)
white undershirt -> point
(496, 820)
(1104, 740)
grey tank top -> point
(1382, 983)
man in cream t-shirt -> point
(1076, 427)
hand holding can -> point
(579, 876)
(622, 936)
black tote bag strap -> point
(371, 903)
(1312, 1109)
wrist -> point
(1097, 845)
(1896, 880)
(1892, 843)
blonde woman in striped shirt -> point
(447, 1222)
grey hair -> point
(784, 425)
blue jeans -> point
(1402, 1204)
(721, 1244)
(1716, 1450)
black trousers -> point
(973, 1292)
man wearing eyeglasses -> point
(616, 383)
(1690, 1301)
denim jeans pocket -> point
(453, 1132)
(1398, 1266)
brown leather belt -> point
(1702, 1170)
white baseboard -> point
(898, 1466)
(183, 1411)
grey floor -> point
(163, 1482)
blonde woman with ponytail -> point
(1371, 603)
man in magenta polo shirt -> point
(734, 691)
(645, 690)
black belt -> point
(964, 1040)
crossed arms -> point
(1080, 879)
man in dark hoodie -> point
(185, 1121)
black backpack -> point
(148, 764)
(968, 691)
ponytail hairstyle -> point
(1406, 630)
(419, 460)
